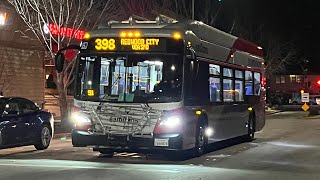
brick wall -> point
(22, 73)
(21, 60)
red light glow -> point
(318, 82)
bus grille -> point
(125, 120)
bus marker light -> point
(198, 112)
(176, 36)
(250, 108)
(137, 34)
(130, 34)
(86, 36)
(123, 34)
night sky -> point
(289, 20)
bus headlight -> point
(80, 118)
(173, 121)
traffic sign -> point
(305, 107)
(305, 97)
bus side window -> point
(214, 89)
(248, 83)
(257, 83)
(239, 82)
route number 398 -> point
(105, 44)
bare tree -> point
(73, 14)
(279, 54)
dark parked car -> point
(23, 123)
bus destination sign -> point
(127, 44)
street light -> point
(3, 17)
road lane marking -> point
(89, 167)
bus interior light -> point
(86, 36)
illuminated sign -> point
(136, 44)
(63, 31)
(90, 92)
(105, 44)
(140, 44)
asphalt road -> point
(287, 148)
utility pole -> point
(192, 9)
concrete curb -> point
(273, 112)
(313, 117)
(61, 135)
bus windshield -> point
(140, 78)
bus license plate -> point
(161, 142)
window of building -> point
(277, 79)
(295, 78)
(214, 89)
(283, 79)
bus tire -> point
(201, 139)
(251, 127)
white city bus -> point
(149, 86)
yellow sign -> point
(305, 107)
(105, 44)
(90, 92)
(125, 44)
(140, 43)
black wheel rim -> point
(251, 128)
(201, 141)
(45, 136)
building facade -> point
(289, 84)
(21, 60)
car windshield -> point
(132, 78)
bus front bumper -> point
(120, 143)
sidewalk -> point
(59, 131)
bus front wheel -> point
(201, 139)
(251, 127)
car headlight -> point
(171, 121)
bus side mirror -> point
(59, 61)
(191, 54)
(194, 63)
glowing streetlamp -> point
(3, 17)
